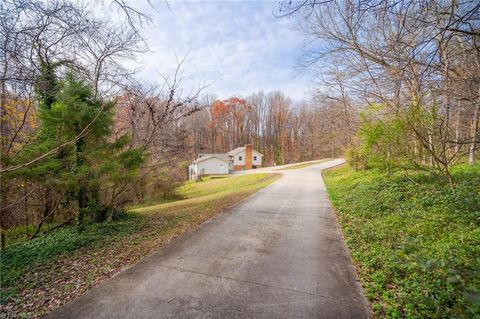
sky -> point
(235, 47)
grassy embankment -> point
(40, 275)
(303, 165)
(414, 242)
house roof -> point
(236, 150)
(221, 157)
(240, 149)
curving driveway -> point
(277, 254)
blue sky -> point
(239, 46)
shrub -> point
(356, 159)
(166, 182)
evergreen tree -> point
(77, 171)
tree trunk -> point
(82, 198)
(82, 206)
(47, 209)
(457, 131)
(3, 212)
(430, 146)
(473, 145)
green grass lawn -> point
(415, 243)
(303, 165)
(40, 275)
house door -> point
(223, 169)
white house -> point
(210, 164)
(241, 158)
(245, 157)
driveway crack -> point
(240, 280)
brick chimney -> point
(248, 156)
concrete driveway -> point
(277, 254)
(278, 168)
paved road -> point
(277, 254)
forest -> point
(84, 139)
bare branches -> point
(63, 36)
(135, 18)
(410, 57)
(149, 112)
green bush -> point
(355, 158)
(166, 182)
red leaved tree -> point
(229, 123)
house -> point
(240, 158)
(245, 157)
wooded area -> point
(82, 137)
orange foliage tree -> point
(229, 123)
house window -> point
(239, 158)
(254, 158)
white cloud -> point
(240, 46)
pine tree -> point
(77, 171)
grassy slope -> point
(302, 165)
(44, 273)
(415, 243)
